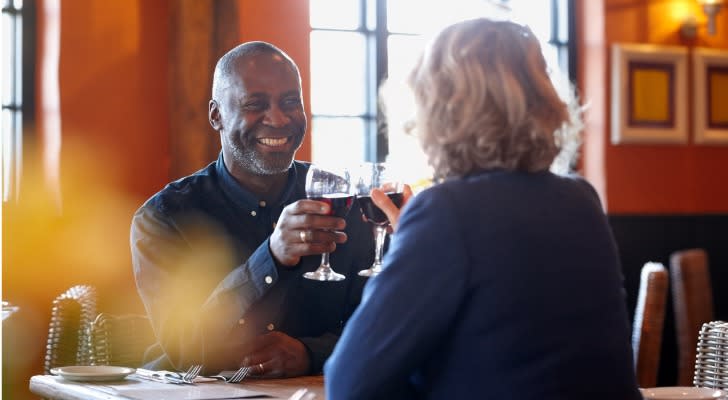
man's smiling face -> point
(261, 115)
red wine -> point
(340, 203)
(372, 213)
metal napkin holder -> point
(711, 357)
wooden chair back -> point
(648, 323)
(692, 297)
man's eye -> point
(292, 102)
(255, 106)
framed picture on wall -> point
(649, 91)
(710, 102)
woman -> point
(503, 280)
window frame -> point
(375, 140)
(22, 103)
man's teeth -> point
(273, 142)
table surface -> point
(57, 388)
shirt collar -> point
(241, 195)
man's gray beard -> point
(255, 164)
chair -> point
(79, 336)
(711, 361)
(120, 339)
(692, 297)
(68, 333)
(649, 317)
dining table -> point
(131, 388)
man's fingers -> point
(307, 206)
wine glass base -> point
(370, 272)
(324, 275)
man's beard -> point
(265, 164)
(271, 164)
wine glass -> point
(332, 186)
(377, 176)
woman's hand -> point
(388, 207)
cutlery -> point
(236, 377)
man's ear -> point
(213, 115)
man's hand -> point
(305, 228)
(276, 355)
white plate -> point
(86, 373)
(681, 392)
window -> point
(11, 123)
(356, 44)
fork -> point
(191, 373)
(238, 376)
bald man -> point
(219, 255)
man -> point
(219, 255)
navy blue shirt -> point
(502, 285)
(209, 282)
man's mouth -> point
(274, 142)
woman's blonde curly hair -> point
(485, 101)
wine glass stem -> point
(381, 234)
(325, 261)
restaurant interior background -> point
(120, 110)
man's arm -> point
(183, 275)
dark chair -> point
(649, 317)
(692, 297)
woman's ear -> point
(213, 115)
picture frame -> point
(649, 92)
(710, 99)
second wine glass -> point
(377, 176)
(332, 186)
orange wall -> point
(664, 179)
(114, 153)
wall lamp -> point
(711, 8)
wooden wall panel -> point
(203, 30)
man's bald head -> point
(227, 63)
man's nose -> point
(276, 118)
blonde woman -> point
(502, 281)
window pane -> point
(337, 140)
(432, 15)
(551, 54)
(535, 14)
(11, 97)
(403, 53)
(338, 73)
(334, 14)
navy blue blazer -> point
(502, 285)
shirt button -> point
(271, 327)
(262, 203)
(253, 213)
(241, 321)
(268, 279)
